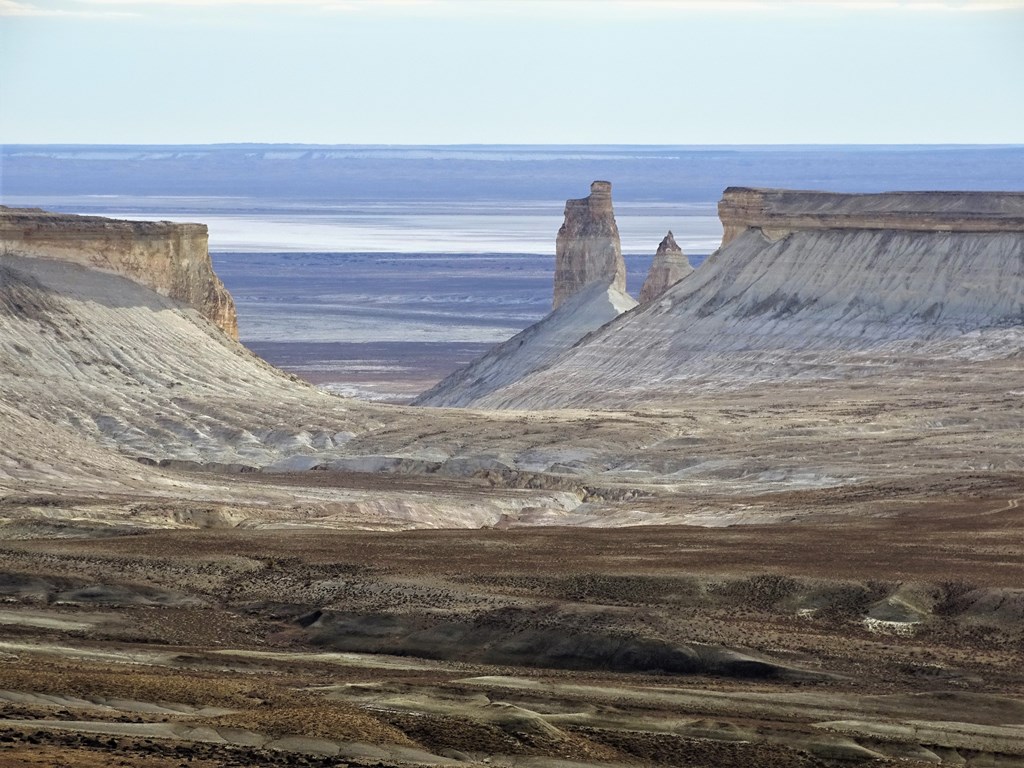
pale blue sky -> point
(497, 71)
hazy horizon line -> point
(227, 144)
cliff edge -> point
(779, 212)
(171, 259)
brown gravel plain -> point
(889, 639)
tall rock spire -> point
(587, 249)
(670, 266)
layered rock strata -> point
(95, 368)
(670, 265)
(587, 249)
(778, 212)
(171, 259)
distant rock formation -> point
(587, 249)
(670, 265)
(590, 291)
(172, 259)
(812, 286)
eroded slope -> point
(829, 304)
(540, 345)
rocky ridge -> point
(172, 259)
(670, 265)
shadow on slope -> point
(546, 637)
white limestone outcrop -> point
(172, 259)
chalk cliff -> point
(812, 286)
(587, 249)
(171, 259)
(670, 265)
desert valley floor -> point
(771, 517)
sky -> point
(512, 71)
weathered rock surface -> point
(670, 265)
(107, 389)
(539, 345)
(778, 212)
(172, 259)
(812, 286)
(587, 249)
(127, 368)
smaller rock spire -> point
(670, 265)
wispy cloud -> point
(664, 5)
(29, 9)
(343, 5)
(471, 8)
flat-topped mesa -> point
(778, 212)
(900, 287)
(670, 265)
(171, 259)
(587, 249)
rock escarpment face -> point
(670, 265)
(587, 249)
(779, 212)
(172, 259)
